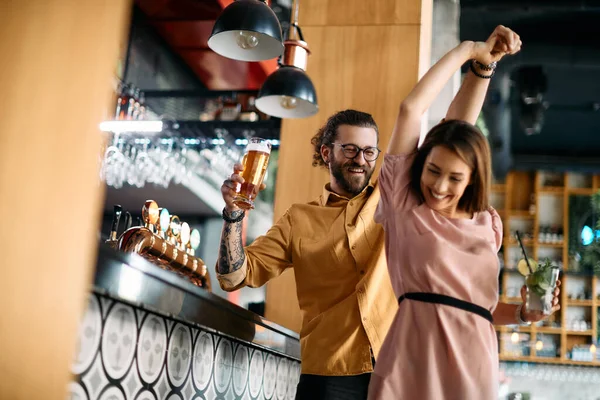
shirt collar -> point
(327, 193)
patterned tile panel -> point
(125, 353)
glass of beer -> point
(254, 162)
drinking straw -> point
(524, 252)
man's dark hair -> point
(328, 132)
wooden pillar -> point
(59, 60)
(366, 55)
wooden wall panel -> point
(59, 58)
(356, 13)
(366, 67)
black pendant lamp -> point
(247, 30)
(289, 92)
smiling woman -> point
(452, 170)
(442, 239)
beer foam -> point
(262, 147)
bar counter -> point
(150, 334)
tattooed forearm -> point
(231, 251)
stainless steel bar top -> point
(131, 279)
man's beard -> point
(349, 183)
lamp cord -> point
(295, 8)
(295, 25)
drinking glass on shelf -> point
(254, 161)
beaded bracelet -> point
(230, 220)
(490, 67)
(518, 317)
(474, 71)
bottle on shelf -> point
(532, 205)
(230, 109)
(131, 99)
(211, 110)
(250, 112)
(135, 115)
(142, 102)
(122, 102)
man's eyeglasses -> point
(351, 151)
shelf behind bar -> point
(549, 360)
(564, 272)
(206, 93)
(266, 129)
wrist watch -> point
(518, 317)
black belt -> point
(448, 301)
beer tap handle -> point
(163, 222)
(150, 214)
(157, 226)
(127, 220)
(117, 210)
(194, 241)
(174, 229)
(184, 235)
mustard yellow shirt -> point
(345, 295)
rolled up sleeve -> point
(266, 258)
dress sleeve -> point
(394, 185)
(497, 227)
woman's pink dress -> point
(434, 351)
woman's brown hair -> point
(472, 147)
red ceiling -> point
(186, 26)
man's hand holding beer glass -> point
(241, 188)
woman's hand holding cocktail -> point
(536, 315)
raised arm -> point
(231, 250)
(406, 131)
(467, 103)
(267, 257)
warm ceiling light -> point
(289, 92)
(247, 30)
